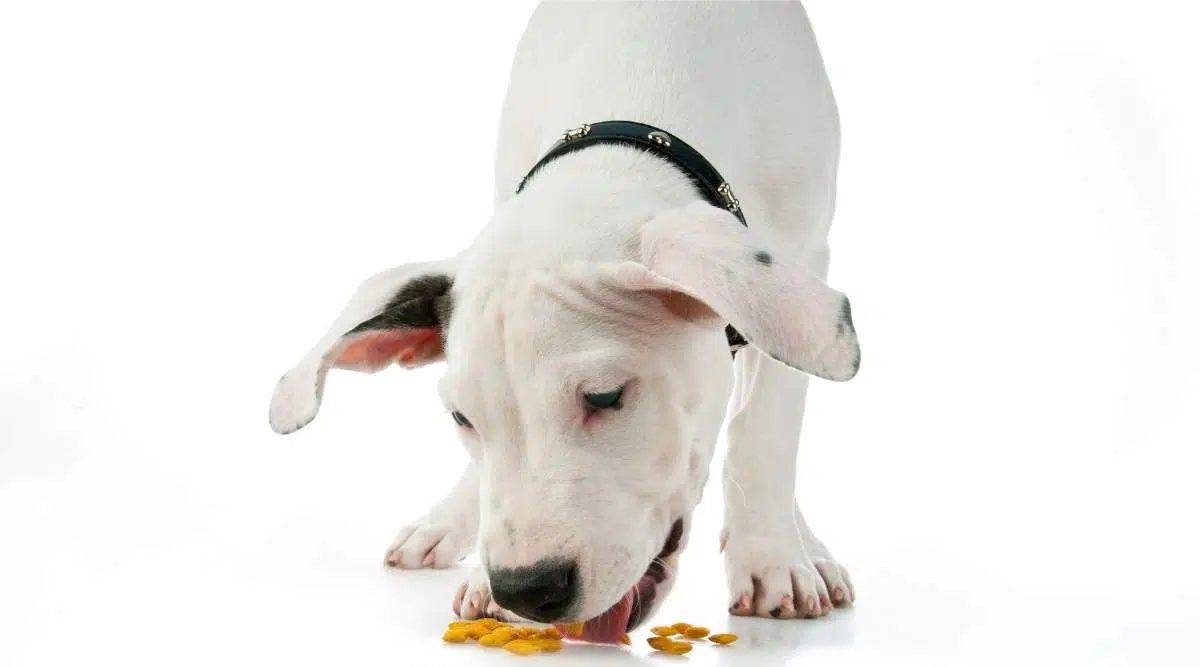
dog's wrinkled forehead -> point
(550, 328)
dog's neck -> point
(588, 205)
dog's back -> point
(744, 83)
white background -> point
(189, 191)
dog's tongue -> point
(607, 628)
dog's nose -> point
(542, 592)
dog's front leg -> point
(446, 534)
(775, 566)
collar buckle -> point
(577, 132)
(725, 191)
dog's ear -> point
(395, 316)
(705, 253)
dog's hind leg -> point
(775, 566)
(446, 534)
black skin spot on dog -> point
(845, 322)
(763, 257)
(776, 612)
(511, 532)
(857, 360)
(424, 302)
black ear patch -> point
(424, 302)
(845, 322)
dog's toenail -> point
(838, 594)
(776, 612)
(811, 605)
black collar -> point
(675, 150)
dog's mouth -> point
(634, 607)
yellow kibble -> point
(625, 640)
(548, 645)
(477, 631)
(658, 643)
(574, 629)
(495, 639)
(696, 632)
(461, 624)
(505, 632)
(455, 636)
(522, 647)
(663, 630)
(724, 638)
(681, 627)
(551, 633)
(489, 623)
(527, 632)
(677, 648)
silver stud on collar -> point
(576, 133)
(726, 193)
(661, 138)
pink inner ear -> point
(379, 348)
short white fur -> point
(607, 271)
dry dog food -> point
(489, 632)
(528, 640)
(696, 632)
(658, 643)
(676, 648)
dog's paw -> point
(776, 573)
(474, 599)
(436, 542)
(430, 542)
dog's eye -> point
(461, 419)
(609, 400)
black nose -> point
(542, 592)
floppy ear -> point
(777, 304)
(395, 316)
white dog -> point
(583, 330)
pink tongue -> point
(607, 628)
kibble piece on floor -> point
(696, 632)
(522, 647)
(496, 639)
(723, 638)
(664, 630)
(477, 631)
(681, 627)
(548, 645)
(625, 640)
(677, 648)
(551, 633)
(658, 643)
(455, 636)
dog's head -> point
(589, 393)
